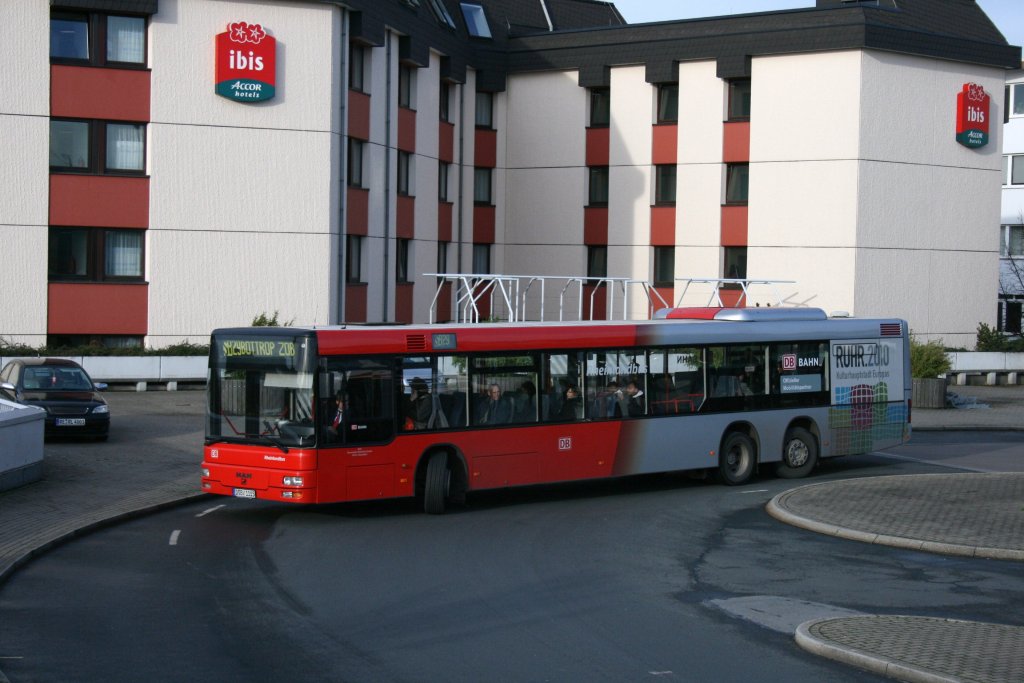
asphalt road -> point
(655, 578)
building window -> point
(109, 341)
(737, 183)
(476, 20)
(442, 257)
(668, 103)
(97, 39)
(402, 248)
(445, 101)
(485, 110)
(665, 184)
(600, 107)
(357, 68)
(95, 254)
(97, 147)
(739, 99)
(353, 259)
(1013, 169)
(664, 266)
(597, 262)
(481, 259)
(735, 263)
(598, 191)
(355, 162)
(441, 13)
(406, 76)
(404, 173)
(443, 170)
(1015, 99)
(482, 186)
(1012, 242)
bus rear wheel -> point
(799, 454)
(737, 459)
(437, 484)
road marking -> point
(174, 536)
(660, 673)
(756, 491)
(12, 658)
(206, 512)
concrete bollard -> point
(1011, 378)
(172, 386)
(140, 386)
(992, 379)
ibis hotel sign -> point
(246, 63)
(972, 116)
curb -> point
(777, 509)
(7, 571)
(858, 658)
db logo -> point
(565, 443)
(214, 453)
(789, 361)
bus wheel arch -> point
(800, 450)
(738, 454)
(441, 478)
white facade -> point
(858, 190)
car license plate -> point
(70, 422)
(245, 493)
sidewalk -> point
(152, 462)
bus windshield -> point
(261, 389)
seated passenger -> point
(495, 410)
(572, 408)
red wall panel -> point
(405, 217)
(446, 142)
(89, 93)
(483, 224)
(664, 143)
(406, 129)
(80, 308)
(101, 201)
(444, 221)
(598, 146)
(736, 142)
(485, 149)
(357, 217)
(358, 115)
(595, 225)
(403, 303)
(734, 226)
(663, 226)
(355, 303)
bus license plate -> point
(245, 493)
(70, 422)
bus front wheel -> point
(737, 459)
(799, 454)
(437, 484)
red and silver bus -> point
(348, 413)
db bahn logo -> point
(246, 63)
(789, 361)
(972, 116)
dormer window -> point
(476, 20)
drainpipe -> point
(387, 177)
(339, 314)
(461, 176)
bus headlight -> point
(206, 472)
(293, 481)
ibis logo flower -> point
(246, 63)
(973, 111)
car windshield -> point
(261, 390)
(55, 378)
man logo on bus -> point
(789, 361)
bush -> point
(180, 349)
(991, 339)
(263, 320)
(927, 360)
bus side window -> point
(368, 405)
(504, 390)
(451, 382)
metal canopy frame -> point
(744, 284)
(514, 292)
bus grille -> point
(891, 329)
(416, 342)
